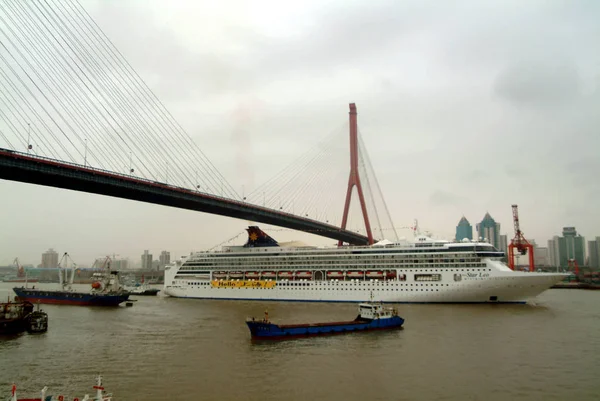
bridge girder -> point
(21, 167)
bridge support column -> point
(354, 179)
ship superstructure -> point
(423, 271)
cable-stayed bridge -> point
(74, 114)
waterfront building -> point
(464, 230)
(147, 260)
(553, 254)
(503, 243)
(164, 259)
(50, 259)
(594, 253)
(120, 264)
(115, 264)
(541, 256)
(489, 231)
(570, 246)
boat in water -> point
(371, 316)
(99, 388)
(106, 290)
(142, 289)
(420, 271)
(19, 316)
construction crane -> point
(519, 242)
(20, 269)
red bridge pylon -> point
(354, 179)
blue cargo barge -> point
(371, 316)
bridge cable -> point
(93, 67)
(61, 85)
(158, 106)
(32, 95)
(87, 87)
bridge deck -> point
(16, 166)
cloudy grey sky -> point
(465, 107)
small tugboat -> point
(17, 317)
(142, 289)
(37, 321)
(100, 394)
(13, 316)
(371, 316)
(106, 290)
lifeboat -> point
(236, 274)
(355, 274)
(219, 275)
(390, 274)
(286, 274)
(96, 285)
(268, 274)
(335, 274)
(252, 275)
(304, 275)
(377, 274)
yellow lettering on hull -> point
(243, 284)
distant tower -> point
(464, 230)
(489, 230)
(50, 259)
(571, 246)
(147, 260)
(164, 259)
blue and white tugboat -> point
(371, 316)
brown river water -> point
(179, 349)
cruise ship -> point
(421, 271)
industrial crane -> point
(520, 243)
(20, 269)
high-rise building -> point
(120, 264)
(570, 246)
(553, 254)
(464, 230)
(594, 253)
(147, 260)
(489, 231)
(503, 244)
(541, 256)
(115, 264)
(164, 259)
(50, 259)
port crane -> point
(520, 243)
(20, 269)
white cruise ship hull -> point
(503, 287)
(427, 271)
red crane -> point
(519, 242)
(572, 264)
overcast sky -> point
(464, 106)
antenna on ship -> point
(415, 228)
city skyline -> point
(455, 123)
